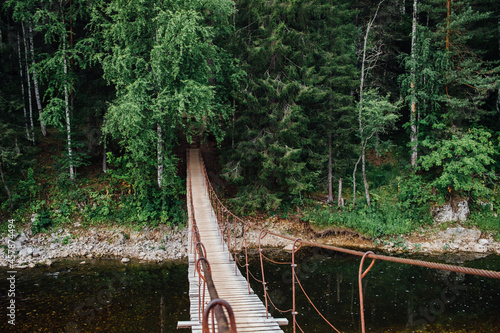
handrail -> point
(200, 257)
(220, 210)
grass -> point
(375, 221)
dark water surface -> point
(108, 296)
(397, 298)
(101, 296)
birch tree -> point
(52, 20)
(366, 64)
(156, 55)
(413, 107)
(28, 135)
(35, 79)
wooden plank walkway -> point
(250, 312)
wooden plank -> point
(250, 312)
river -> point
(108, 296)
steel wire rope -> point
(276, 262)
(300, 328)
(279, 310)
(314, 306)
(446, 267)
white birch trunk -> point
(28, 80)
(160, 152)
(104, 161)
(363, 170)
(35, 81)
(330, 176)
(354, 182)
(22, 86)
(360, 111)
(413, 110)
(340, 201)
(67, 111)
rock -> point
(483, 241)
(125, 260)
(21, 266)
(118, 238)
(288, 248)
(446, 213)
(89, 256)
(462, 234)
(22, 238)
(36, 253)
(31, 265)
(480, 248)
(82, 263)
(77, 224)
(26, 251)
(54, 246)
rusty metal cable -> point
(222, 321)
(279, 310)
(276, 262)
(314, 306)
(300, 328)
(433, 265)
(263, 232)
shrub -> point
(42, 222)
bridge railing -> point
(202, 265)
(228, 222)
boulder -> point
(460, 234)
(447, 213)
(480, 248)
(27, 251)
(125, 260)
(483, 241)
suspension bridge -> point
(221, 297)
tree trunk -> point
(160, 152)
(6, 189)
(330, 185)
(365, 182)
(104, 160)
(413, 110)
(340, 201)
(360, 106)
(354, 183)
(67, 110)
(22, 86)
(28, 80)
(35, 81)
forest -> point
(359, 114)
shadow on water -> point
(397, 297)
(103, 296)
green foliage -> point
(375, 221)
(461, 163)
(42, 222)
(415, 197)
(300, 63)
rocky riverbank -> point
(148, 244)
(169, 243)
(431, 240)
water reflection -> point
(397, 298)
(104, 296)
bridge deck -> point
(250, 312)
